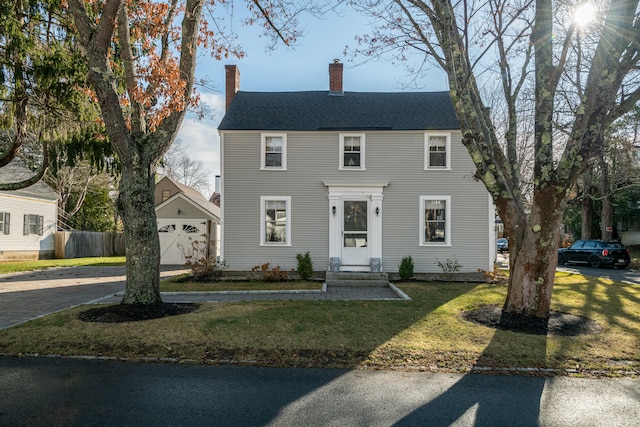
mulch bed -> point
(135, 312)
(560, 324)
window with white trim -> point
(274, 151)
(275, 220)
(352, 151)
(4, 222)
(435, 220)
(165, 194)
(437, 151)
(33, 224)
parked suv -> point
(596, 253)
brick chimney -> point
(232, 84)
(335, 78)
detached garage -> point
(188, 227)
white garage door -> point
(180, 239)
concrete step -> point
(356, 279)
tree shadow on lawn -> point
(474, 399)
(480, 400)
(484, 400)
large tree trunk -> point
(532, 262)
(586, 205)
(136, 206)
(606, 212)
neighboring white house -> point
(27, 217)
(358, 179)
(188, 224)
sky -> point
(301, 68)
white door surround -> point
(350, 251)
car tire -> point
(562, 260)
(595, 262)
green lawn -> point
(427, 332)
(15, 266)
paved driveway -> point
(29, 295)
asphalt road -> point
(626, 275)
(64, 392)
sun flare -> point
(583, 14)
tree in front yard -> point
(572, 77)
(142, 59)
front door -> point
(355, 233)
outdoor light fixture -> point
(333, 209)
(179, 211)
(377, 211)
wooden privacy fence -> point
(77, 244)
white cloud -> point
(200, 137)
(215, 101)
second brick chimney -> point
(335, 78)
(232, 83)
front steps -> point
(355, 279)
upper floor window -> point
(437, 151)
(275, 224)
(435, 220)
(274, 151)
(4, 222)
(165, 194)
(33, 224)
(352, 151)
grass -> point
(16, 266)
(424, 333)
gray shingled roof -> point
(16, 171)
(317, 110)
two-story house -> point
(358, 179)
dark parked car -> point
(502, 244)
(596, 253)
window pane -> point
(273, 159)
(438, 151)
(276, 221)
(355, 215)
(187, 228)
(356, 240)
(32, 224)
(435, 221)
(274, 144)
(352, 159)
(352, 143)
(438, 159)
(273, 151)
(167, 228)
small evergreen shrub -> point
(405, 269)
(305, 266)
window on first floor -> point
(275, 226)
(352, 151)
(4, 222)
(274, 151)
(437, 151)
(33, 224)
(435, 220)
